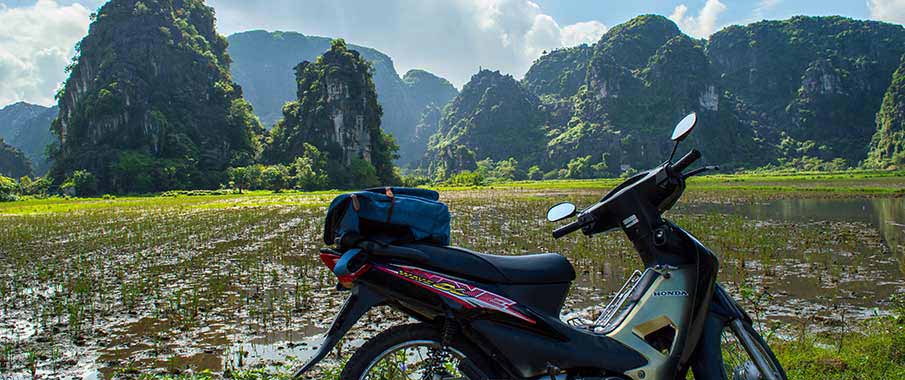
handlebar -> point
(686, 161)
(567, 229)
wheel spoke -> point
(419, 360)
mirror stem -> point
(671, 155)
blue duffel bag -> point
(388, 215)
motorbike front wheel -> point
(414, 351)
(746, 355)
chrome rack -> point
(615, 307)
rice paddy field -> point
(220, 285)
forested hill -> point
(803, 92)
(27, 128)
(263, 62)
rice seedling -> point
(140, 281)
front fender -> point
(707, 360)
(359, 302)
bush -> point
(82, 183)
(39, 186)
(415, 180)
(467, 178)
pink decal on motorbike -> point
(465, 294)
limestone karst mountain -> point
(150, 104)
(336, 112)
(263, 64)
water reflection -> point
(887, 215)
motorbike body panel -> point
(654, 326)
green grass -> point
(878, 352)
(870, 182)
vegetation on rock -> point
(13, 162)
(798, 93)
(493, 117)
(337, 114)
(888, 144)
(150, 105)
(27, 127)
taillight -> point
(330, 260)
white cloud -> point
(582, 33)
(451, 38)
(887, 10)
(765, 6)
(36, 44)
(702, 25)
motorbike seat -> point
(541, 268)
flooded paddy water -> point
(113, 288)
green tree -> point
(25, 184)
(535, 174)
(508, 170)
(40, 186)
(245, 177)
(276, 177)
(132, 173)
(309, 171)
(81, 183)
(8, 189)
(362, 174)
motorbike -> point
(481, 316)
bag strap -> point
(355, 205)
(389, 193)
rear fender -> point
(359, 302)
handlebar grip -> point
(567, 229)
(686, 161)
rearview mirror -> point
(683, 129)
(560, 211)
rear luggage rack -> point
(606, 321)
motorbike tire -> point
(761, 347)
(473, 364)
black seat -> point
(542, 268)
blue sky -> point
(451, 38)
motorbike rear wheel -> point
(414, 351)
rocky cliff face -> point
(13, 162)
(263, 63)
(150, 104)
(493, 117)
(887, 148)
(428, 94)
(338, 113)
(560, 72)
(767, 93)
(27, 127)
(813, 82)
